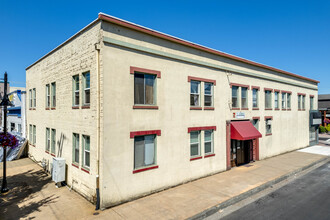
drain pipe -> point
(98, 48)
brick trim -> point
(134, 69)
(311, 96)
(277, 109)
(269, 117)
(255, 87)
(208, 108)
(239, 85)
(284, 91)
(47, 108)
(75, 107)
(256, 117)
(268, 134)
(202, 80)
(202, 128)
(255, 108)
(47, 152)
(52, 154)
(277, 90)
(268, 108)
(75, 165)
(140, 133)
(145, 107)
(145, 169)
(268, 89)
(209, 155)
(85, 107)
(235, 108)
(244, 108)
(53, 108)
(196, 108)
(303, 94)
(196, 158)
(84, 169)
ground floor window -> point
(255, 123)
(47, 139)
(75, 147)
(144, 151)
(195, 143)
(268, 126)
(86, 151)
(53, 144)
(208, 141)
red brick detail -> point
(256, 117)
(46, 108)
(268, 117)
(189, 44)
(134, 69)
(255, 108)
(145, 107)
(47, 152)
(85, 170)
(209, 155)
(311, 95)
(268, 109)
(208, 108)
(52, 154)
(202, 80)
(283, 91)
(283, 109)
(303, 94)
(235, 109)
(202, 128)
(140, 133)
(195, 158)
(244, 108)
(75, 165)
(196, 108)
(145, 169)
(255, 87)
(75, 107)
(85, 107)
(289, 109)
(53, 108)
(268, 134)
(277, 90)
(239, 85)
(277, 109)
(268, 89)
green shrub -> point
(322, 129)
(328, 127)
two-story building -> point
(134, 110)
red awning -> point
(243, 130)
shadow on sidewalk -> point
(13, 205)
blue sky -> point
(289, 35)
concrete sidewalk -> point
(195, 199)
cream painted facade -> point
(109, 48)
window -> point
(268, 99)
(144, 151)
(234, 96)
(75, 80)
(194, 93)
(276, 97)
(34, 134)
(289, 101)
(34, 98)
(12, 126)
(19, 128)
(208, 94)
(75, 147)
(31, 134)
(268, 126)
(244, 97)
(86, 88)
(86, 151)
(301, 101)
(144, 89)
(311, 102)
(53, 144)
(194, 143)
(47, 96)
(255, 98)
(255, 123)
(53, 95)
(208, 141)
(47, 139)
(284, 100)
(30, 98)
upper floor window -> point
(53, 101)
(34, 98)
(86, 88)
(47, 96)
(53, 143)
(311, 102)
(276, 98)
(255, 97)
(75, 85)
(244, 99)
(30, 98)
(86, 151)
(144, 89)
(195, 93)
(289, 100)
(208, 94)
(301, 101)
(47, 139)
(268, 126)
(268, 99)
(234, 96)
(144, 151)
(284, 100)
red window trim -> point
(303, 94)
(141, 133)
(196, 158)
(235, 108)
(244, 108)
(47, 152)
(53, 108)
(52, 154)
(277, 109)
(145, 107)
(75, 107)
(284, 109)
(209, 155)
(202, 80)
(269, 117)
(256, 117)
(268, 108)
(196, 108)
(46, 108)
(268, 89)
(284, 91)
(268, 134)
(75, 165)
(288, 109)
(255, 108)
(311, 96)
(202, 128)
(277, 90)
(208, 108)
(255, 87)
(239, 85)
(145, 169)
(134, 69)
(85, 106)
(83, 169)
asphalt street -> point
(307, 197)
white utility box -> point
(58, 174)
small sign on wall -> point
(239, 115)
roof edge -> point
(121, 22)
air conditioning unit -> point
(58, 173)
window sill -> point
(277, 109)
(289, 109)
(255, 108)
(209, 155)
(268, 134)
(145, 107)
(75, 107)
(235, 109)
(208, 108)
(53, 108)
(75, 165)
(244, 108)
(46, 108)
(196, 108)
(32, 145)
(196, 158)
(145, 169)
(283, 109)
(85, 107)
(301, 109)
(47, 152)
(85, 169)
(268, 109)
(52, 154)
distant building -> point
(134, 111)
(324, 107)
(16, 120)
(2, 89)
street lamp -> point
(5, 102)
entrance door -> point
(241, 152)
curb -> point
(240, 197)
